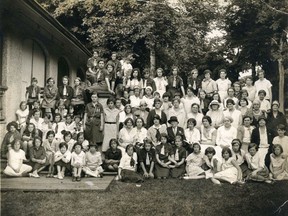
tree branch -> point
(274, 9)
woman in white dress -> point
(223, 84)
(160, 82)
(230, 170)
(126, 135)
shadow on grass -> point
(154, 197)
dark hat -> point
(173, 119)
(157, 117)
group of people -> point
(150, 127)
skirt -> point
(229, 175)
(193, 170)
(63, 164)
(177, 171)
(110, 132)
(161, 171)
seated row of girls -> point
(162, 162)
(235, 165)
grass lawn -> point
(154, 197)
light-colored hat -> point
(275, 103)
(149, 87)
(214, 102)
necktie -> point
(147, 159)
(158, 135)
(177, 155)
(194, 85)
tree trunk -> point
(281, 84)
(152, 61)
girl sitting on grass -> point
(16, 156)
(238, 154)
(178, 159)
(112, 156)
(163, 151)
(278, 165)
(257, 171)
(147, 159)
(93, 162)
(37, 157)
(128, 166)
(194, 161)
(51, 145)
(78, 160)
(62, 160)
(230, 170)
(210, 163)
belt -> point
(110, 122)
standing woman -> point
(65, 93)
(78, 98)
(275, 117)
(263, 137)
(49, 97)
(175, 83)
(223, 84)
(204, 102)
(110, 126)
(160, 82)
(94, 121)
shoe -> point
(268, 182)
(78, 178)
(73, 179)
(36, 175)
(59, 176)
(215, 181)
(101, 175)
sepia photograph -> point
(144, 107)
